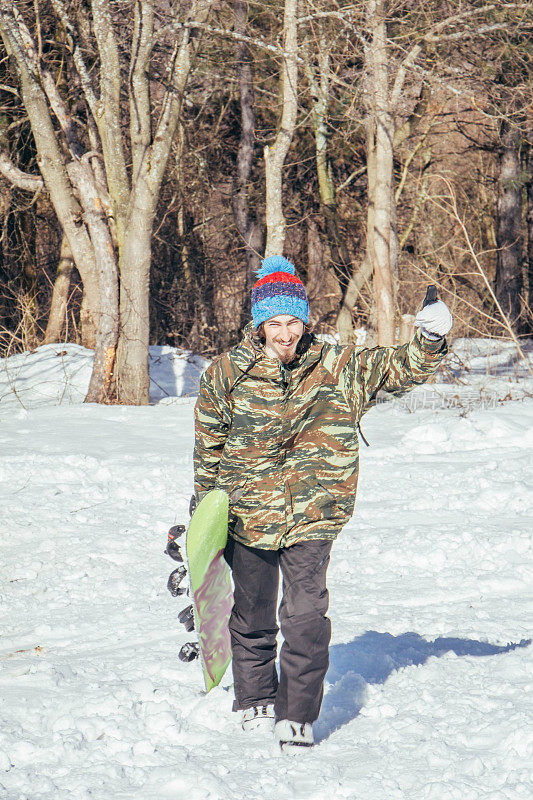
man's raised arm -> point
(399, 368)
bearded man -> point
(276, 427)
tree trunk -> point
(529, 218)
(320, 86)
(508, 278)
(59, 305)
(321, 284)
(78, 196)
(89, 312)
(275, 156)
(108, 116)
(248, 227)
(382, 136)
(107, 323)
(368, 264)
(133, 380)
(345, 327)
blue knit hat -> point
(278, 291)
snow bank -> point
(51, 374)
(491, 367)
(60, 373)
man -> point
(276, 427)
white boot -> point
(258, 718)
(293, 736)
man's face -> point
(282, 335)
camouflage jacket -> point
(283, 441)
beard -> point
(288, 356)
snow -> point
(428, 695)
(60, 373)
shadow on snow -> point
(372, 657)
(174, 373)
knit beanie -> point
(278, 291)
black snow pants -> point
(306, 630)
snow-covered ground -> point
(428, 695)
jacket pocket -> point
(257, 508)
(312, 502)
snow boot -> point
(258, 718)
(293, 736)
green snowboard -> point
(210, 581)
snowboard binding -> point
(173, 549)
(190, 650)
(174, 580)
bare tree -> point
(150, 152)
(40, 97)
(317, 65)
(276, 153)
(116, 206)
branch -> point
(49, 155)
(408, 161)
(17, 39)
(9, 89)
(79, 62)
(345, 18)
(22, 180)
(472, 12)
(224, 32)
(402, 73)
(63, 116)
(431, 278)
(179, 69)
(343, 15)
(107, 113)
(451, 208)
(66, 123)
(433, 35)
(109, 58)
(30, 57)
(414, 119)
(479, 31)
(355, 174)
(139, 84)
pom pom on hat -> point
(278, 290)
(275, 264)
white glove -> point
(434, 320)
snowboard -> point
(210, 585)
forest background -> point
(152, 152)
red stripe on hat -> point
(278, 277)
